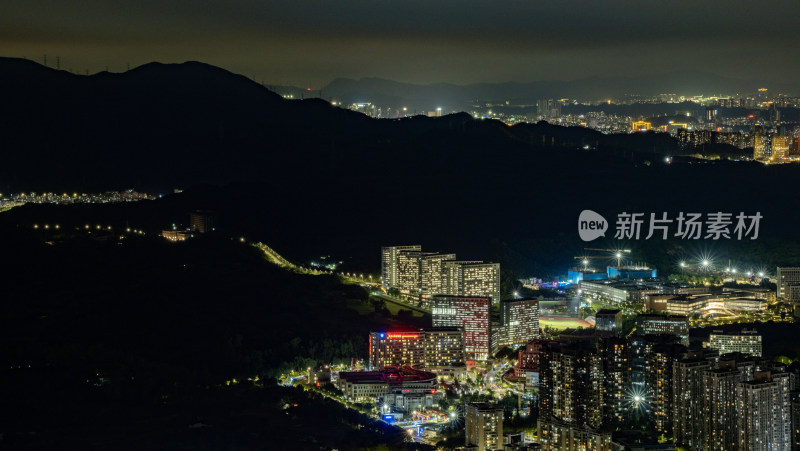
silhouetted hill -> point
(311, 179)
(164, 125)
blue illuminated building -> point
(631, 272)
(576, 275)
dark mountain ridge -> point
(312, 179)
(164, 125)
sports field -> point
(562, 322)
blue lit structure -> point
(632, 272)
(575, 276)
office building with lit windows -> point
(469, 313)
(781, 145)
(473, 278)
(424, 274)
(520, 318)
(432, 273)
(443, 348)
(648, 324)
(483, 426)
(745, 341)
(402, 388)
(409, 277)
(433, 349)
(617, 292)
(395, 348)
(389, 263)
(788, 277)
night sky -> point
(309, 43)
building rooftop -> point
(485, 406)
(607, 311)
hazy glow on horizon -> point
(310, 43)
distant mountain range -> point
(452, 97)
(175, 125)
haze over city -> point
(309, 44)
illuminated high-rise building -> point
(483, 424)
(470, 313)
(548, 109)
(764, 412)
(688, 393)
(520, 318)
(409, 271)
(389, 260)
(781, 145)
(761, 144)
(395, 348)
(432, 348)
(528, 365)
(719, 407)
(659, 383)
(432, 273)
(617, 370)
(417, 273)
(570, 384)
(788, 277)
(443, 347)
(473, 278)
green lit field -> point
(394, 308)
(561, 323)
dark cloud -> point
(312, 42)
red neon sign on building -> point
(401, 335)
